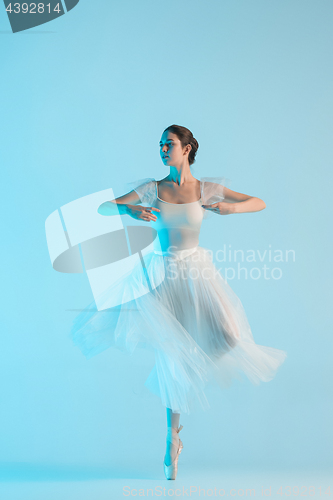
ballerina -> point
(190, 318)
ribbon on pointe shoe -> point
(172, 435)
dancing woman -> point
(190, 317)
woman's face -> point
(171, 149)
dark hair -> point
(186, 137)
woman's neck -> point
(180, 176)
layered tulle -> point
(181, 308)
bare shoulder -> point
(164, 180)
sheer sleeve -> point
(145, 188)
(212, 191)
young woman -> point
(189, 317)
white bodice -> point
(178, 224)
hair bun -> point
(194, 143)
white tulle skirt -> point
(190, 318)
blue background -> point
(84, 101)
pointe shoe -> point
(170, 471)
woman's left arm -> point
(236, 203)
(241, 203)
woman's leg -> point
(171, 448)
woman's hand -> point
(142, 213)
(221, 208)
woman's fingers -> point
(213, 208)
(143, 213)
(148, 215)
(209, 207)
(149, 209)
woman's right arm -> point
(119, 205)
(126, 204)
